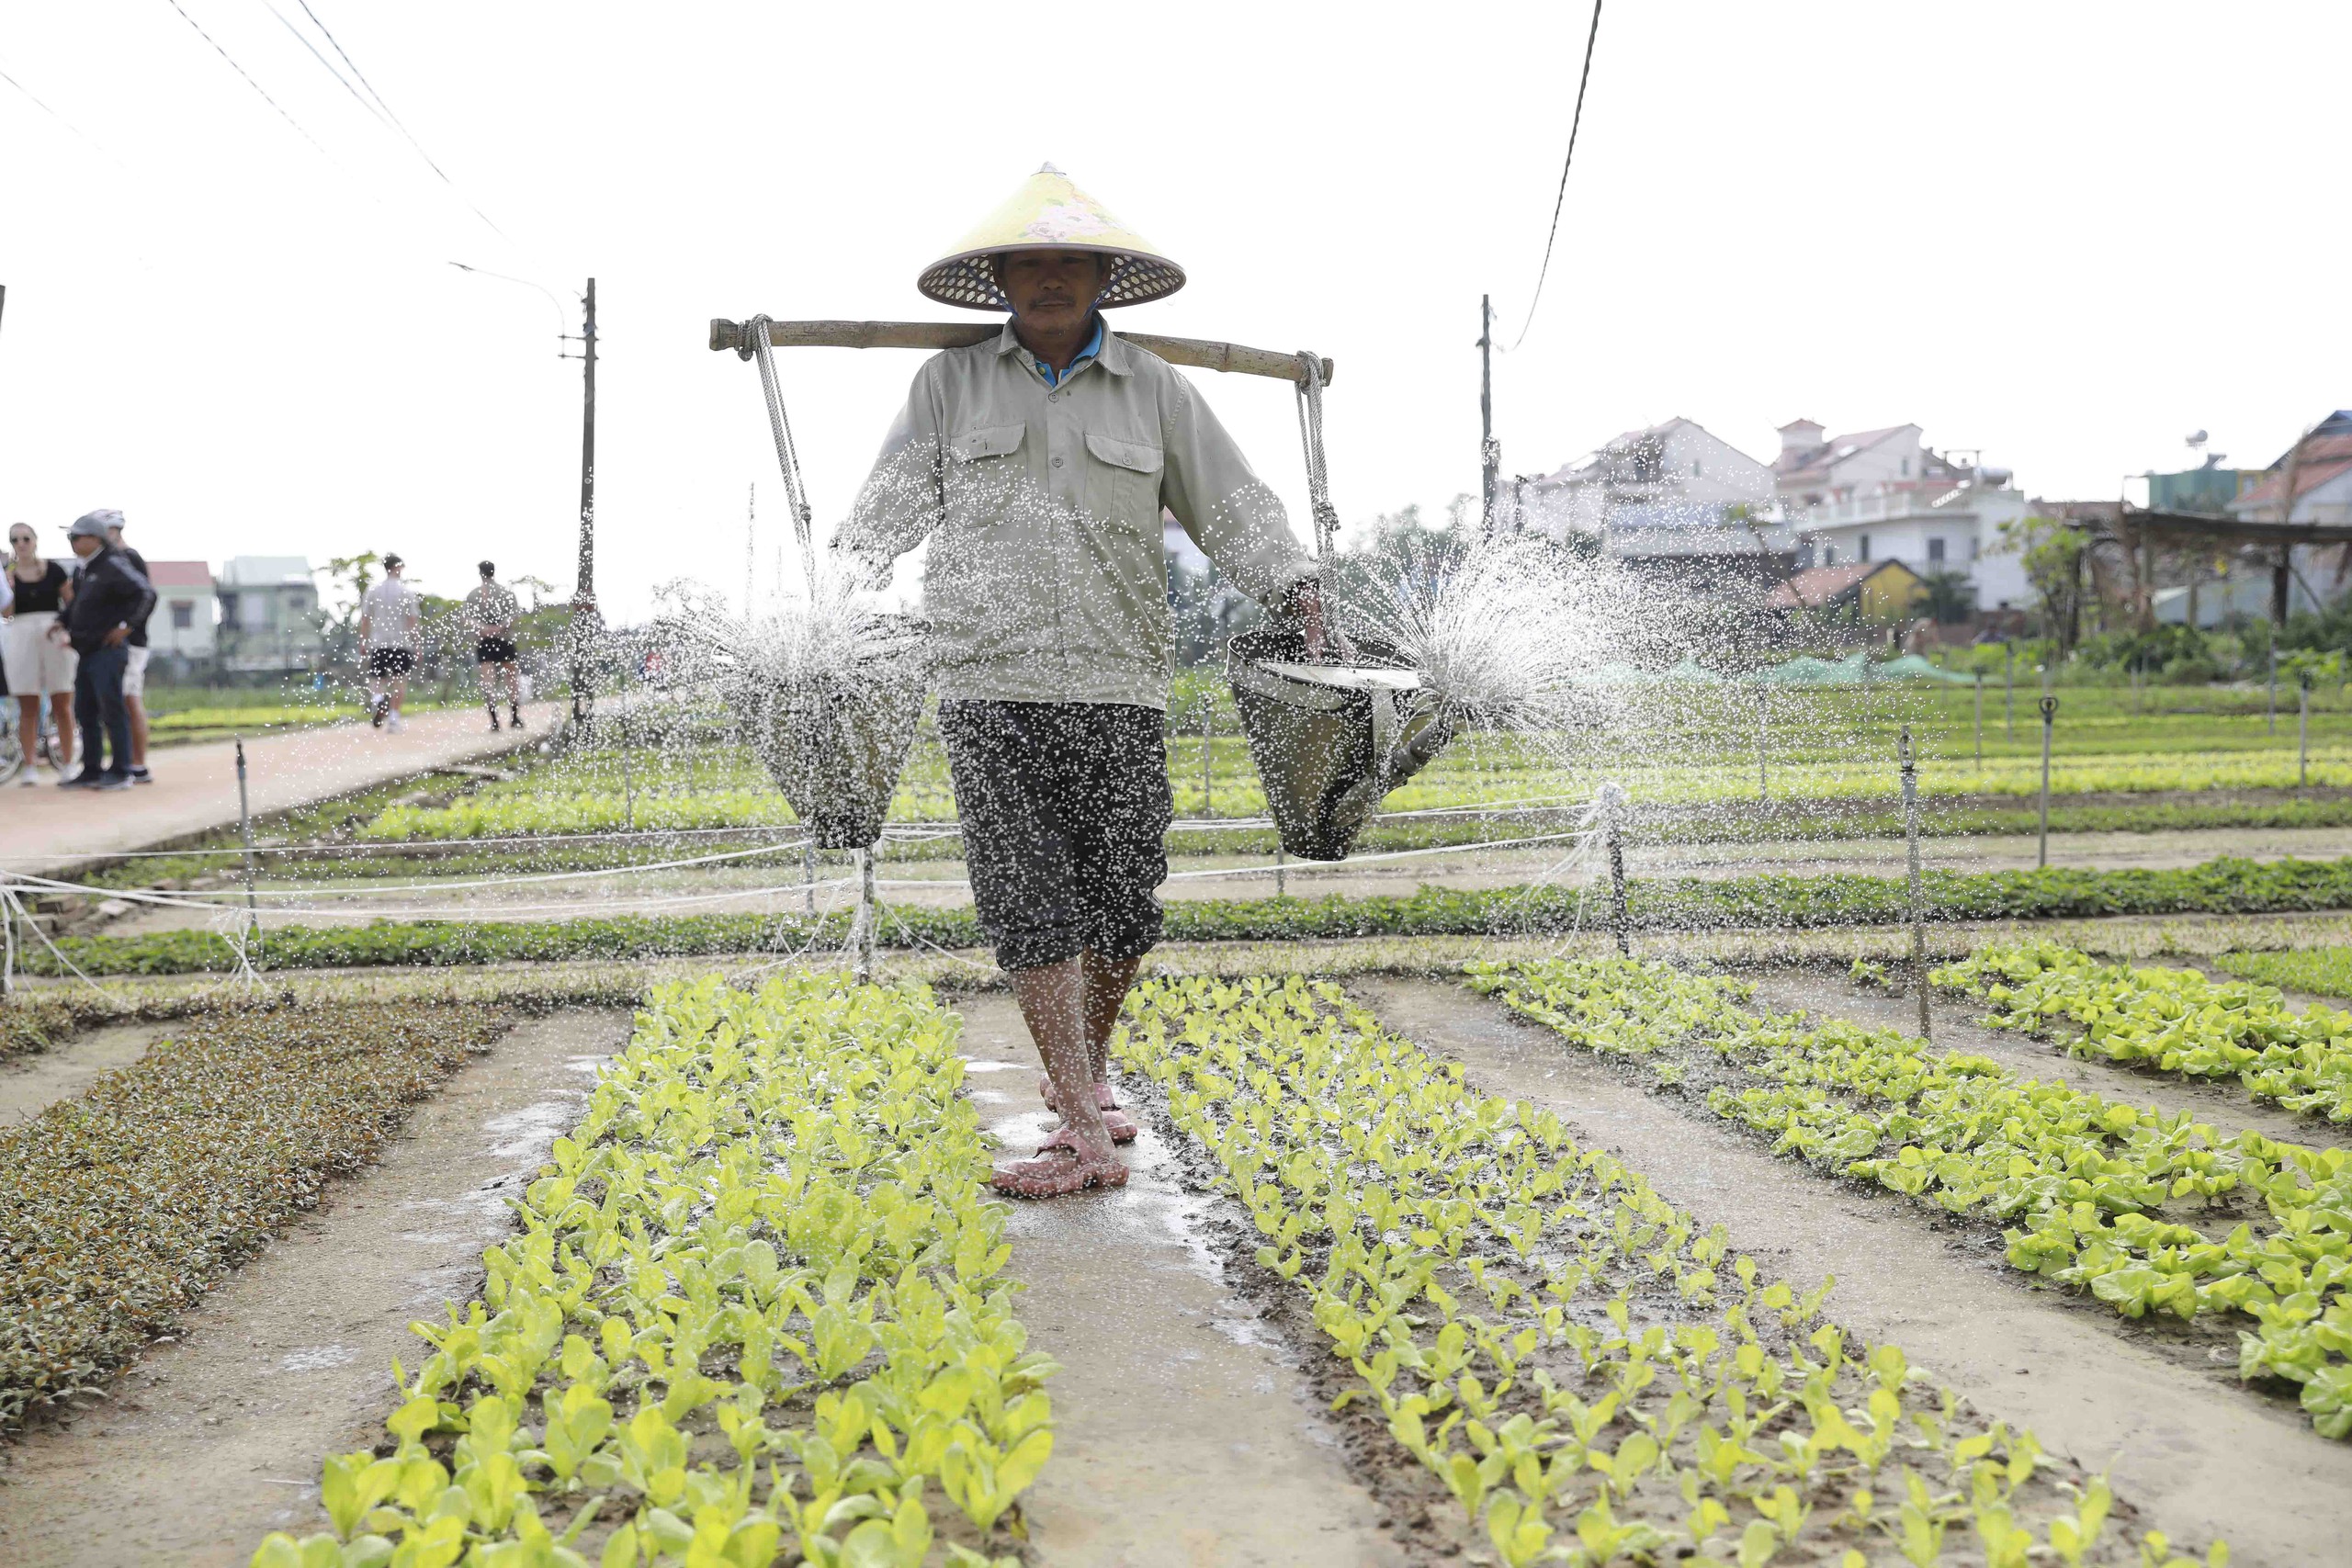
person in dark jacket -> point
(134, 674)
(110, 597)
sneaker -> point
(493, 721)
(81, 781)
(513, 718)
(138, 773)
(29, 779)
(112, 780)
(394, 724)
(377, 709)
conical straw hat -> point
(1049, 213)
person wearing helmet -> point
(1037, 465)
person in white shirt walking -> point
(388, 621)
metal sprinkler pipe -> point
(1612, 799)
(245, 832)
(2049, 718)
(1909, 759)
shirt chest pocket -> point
(984, 470)
(1123, 480)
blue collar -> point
(1093, 347)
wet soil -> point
(209, 1442)
(30, 1084)
(2204, 1457)
(2221, 1103)
(1180, 1436)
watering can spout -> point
(1330, 740)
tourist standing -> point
(387, 618)
(38, 662)
(134, 673)
(110, 596)
(494, 610)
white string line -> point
(1294, 868)
(462, 914)
(516, 880)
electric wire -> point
(256, 86)
(1576, 122)
(396, 122)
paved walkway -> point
(46, 830)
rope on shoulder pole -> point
(756, 347)
(1909, 759)
(1309, 388)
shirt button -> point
(1057, 462)
(1053, 396)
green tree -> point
(1948, 596)
(2052, 553)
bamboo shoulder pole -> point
(1198, 354)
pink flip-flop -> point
(1122, 1127)
(1063, 1167)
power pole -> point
(1489, 455)
(585, 622)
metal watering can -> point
(1330, 740)
(835, 744)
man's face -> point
(1051, 291)
(85, 545)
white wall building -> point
(1672, 491)
(1883, 495)
(268, 611)
(185, 607)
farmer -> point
(1037, 464)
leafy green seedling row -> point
(121, 1207)
(754, 1309)
(2148, 1211)
(2178, 1021)
(1590, 1371)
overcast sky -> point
(2066, 235)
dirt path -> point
(2222, 1103)
(31, 1084)
(46, 832)
(1179, 1440)
(209, 1444)
(2201, 1456)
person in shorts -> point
(388, 621)
(134, 672)
(494, 610)
(1036, 465)
(36, 657)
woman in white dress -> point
(38, 660)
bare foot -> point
(1064, 1166)
(1115, 1121)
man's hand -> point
(117, 636)
(1305, 608)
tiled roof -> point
(179, 574)
(1810, 459)
(2325, 456)
(1817, 585)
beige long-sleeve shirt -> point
(1045, 579)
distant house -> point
(181, 625)
(1885, 591)
(268, 613)
(1880, 495)
(1673, 498)
(2318, 469)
